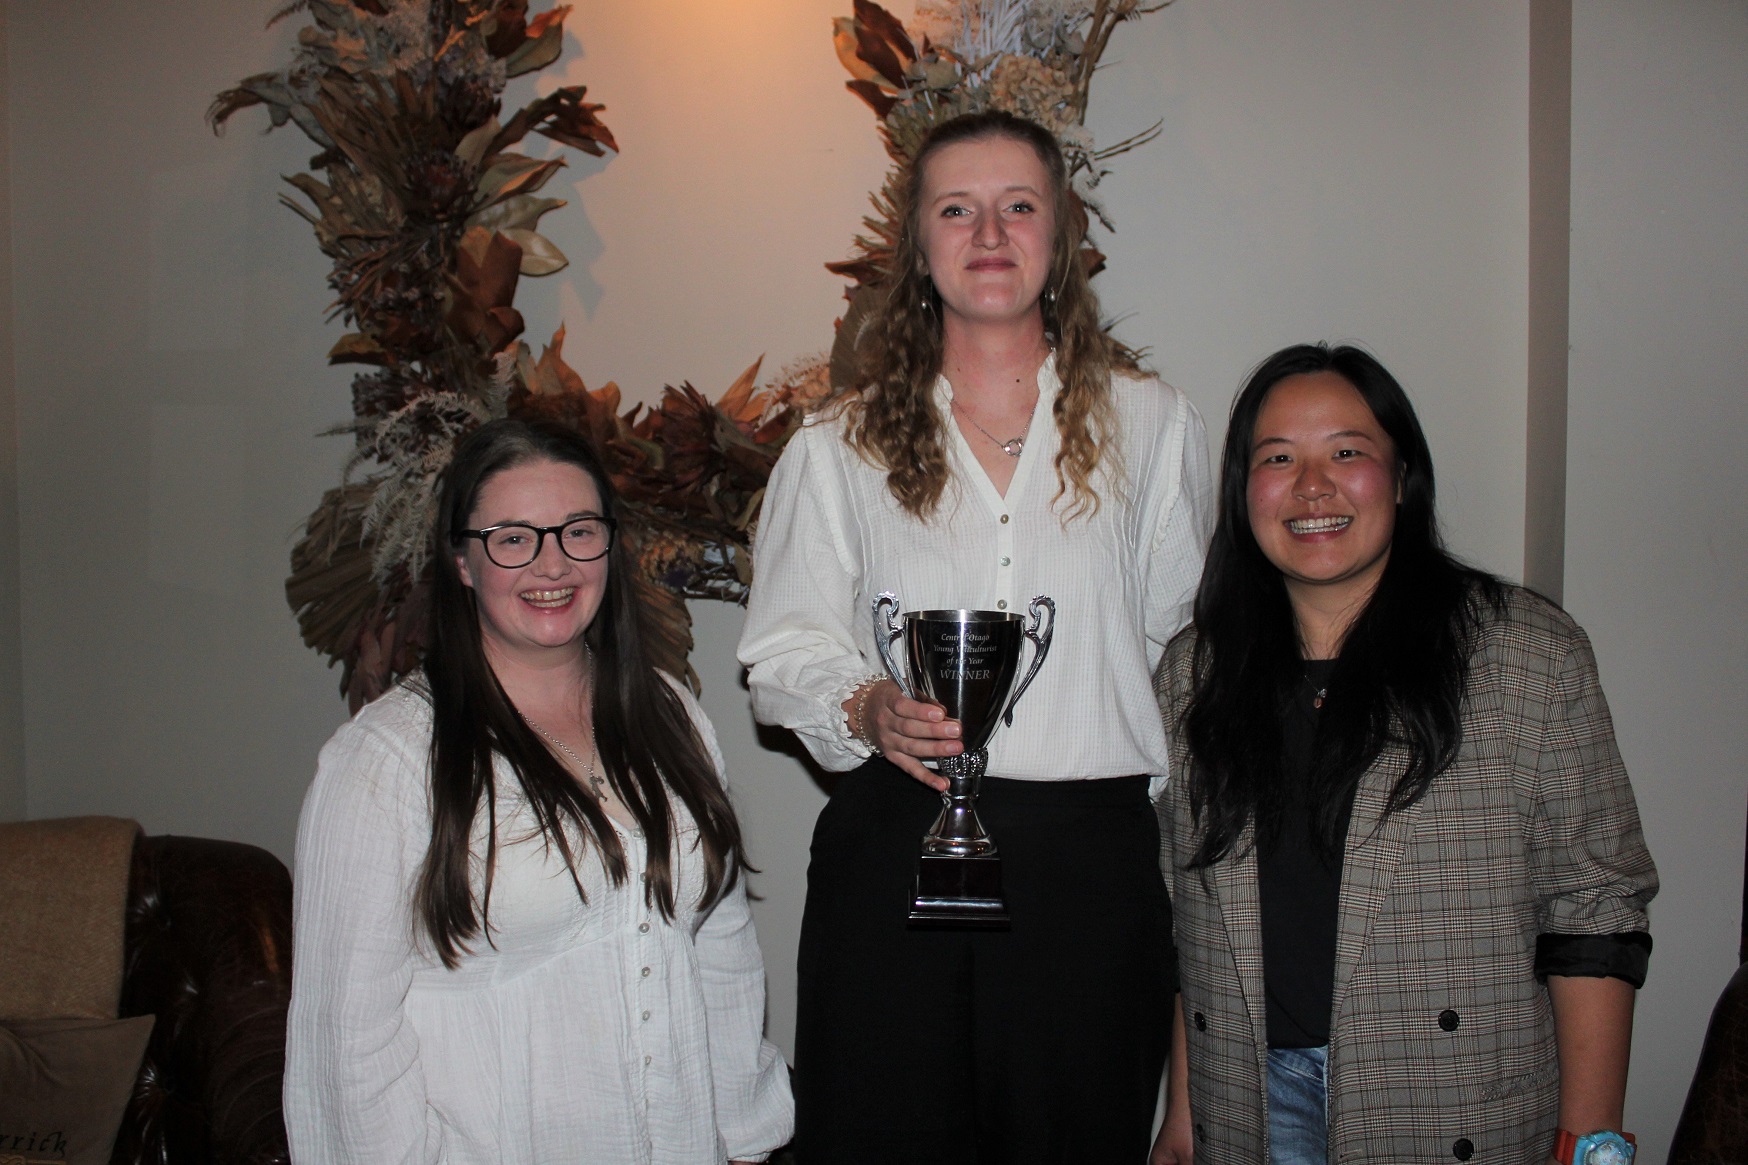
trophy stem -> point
(957, 832)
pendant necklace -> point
(597, 786)
(1317, 694)
(1013, 446)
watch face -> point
(1604, 1149)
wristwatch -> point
(1599, 1148)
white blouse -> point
(590, 1033)
(833, 537)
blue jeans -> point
(1298, 1106)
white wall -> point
(12, 788)
(1330, 170)
(170, 383)
(1657, 536)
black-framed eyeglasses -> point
(516, 544)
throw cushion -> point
(63, 906)
(64, 1084)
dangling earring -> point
(1050, 299)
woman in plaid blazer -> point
(1406, 864)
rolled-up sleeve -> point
(1592, 872)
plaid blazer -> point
(1440, 1031)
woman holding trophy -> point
(1002, 447)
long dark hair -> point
(894, 421)
(1403, 664)
(649, 747)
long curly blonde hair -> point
(893, 421)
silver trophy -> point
(967, 662)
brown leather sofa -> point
(1713, 1129)
(208, 951)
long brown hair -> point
(893, 421)
(650, 750)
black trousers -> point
(1040, 1044)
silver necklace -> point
(1013, 446)
(597, 786)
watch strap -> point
(1566, 1144)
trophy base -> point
(958, 893)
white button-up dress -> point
(593, 1033)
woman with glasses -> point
(522, 932)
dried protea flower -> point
(394, 293)
(802, 385)
(377, 394)
(910, 121)
(467, 101)
(1029, 88)
(667, 557)
(439, 186)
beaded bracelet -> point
(859, 712)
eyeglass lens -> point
(583, 540)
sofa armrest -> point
(208, 951)
(1713, 1129)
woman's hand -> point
(1173, 1146)
(908, 731)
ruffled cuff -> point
(1625, 956)
(840, 695)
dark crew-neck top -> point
(1300, 889)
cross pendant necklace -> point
(597, 786)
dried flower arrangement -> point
(1032, 58)
(430, 216)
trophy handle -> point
(886, 633)
(1039, 633)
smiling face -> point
(1322, 491)
(986, 226)
(535, 614)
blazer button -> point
(1201, 1022)
(1449, 1020)
(1463, 1149)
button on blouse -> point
(832, 537)
(585, 1033)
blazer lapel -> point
(1237, 889)
(1375, 845)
